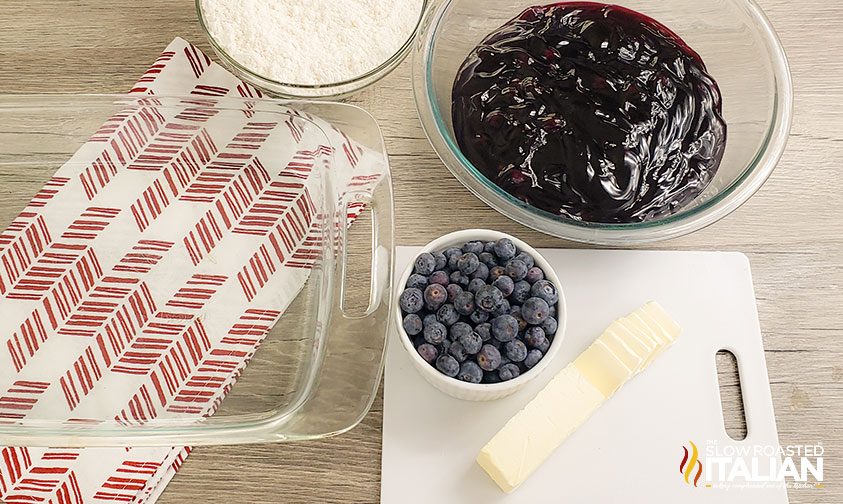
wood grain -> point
(792, 230)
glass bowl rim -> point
(378, 72)
(753, 176)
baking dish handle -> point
(380, 281)
(354, 344)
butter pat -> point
(531, 436)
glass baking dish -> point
(314, 373)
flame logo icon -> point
(691, 464)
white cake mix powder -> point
(311, 41)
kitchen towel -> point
(107, 271)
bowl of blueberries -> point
(480, 313)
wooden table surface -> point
(792, 230)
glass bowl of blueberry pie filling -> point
(480, 314)
(605, 124)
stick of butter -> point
(530, 437)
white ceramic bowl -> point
(481, 391)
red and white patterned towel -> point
(106, 276)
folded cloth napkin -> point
(107, 273)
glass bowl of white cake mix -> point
(314, 49)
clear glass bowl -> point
(316, 372)
(332, 91)
(737, 43)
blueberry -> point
(516, 350)
(534, 275)
(428, 352)
(470, 372)
(435, 333)
(496, 272)
(458, 352)
(522, 324)
(453, 260)
(481, 273)
(448, 366)
(459, 330)
(475, 285)
(546, 291)
(509, 372)
(472, 342)
(535, 337)
(451, 252)
(454, 290)
(485, 331)
(435, 296)
(411, 300)
(444, 347)
(429, 319)
(533, 358)
(479, 317)
(535, 310)
(489, 358)
(447, 315)
(544, 347)
(464, 303)
(505, 285)
(459, 279)
(474, 247)
(413, 324)
(488, 259)
(468, 263)
(425, 264)
(489, 247)
(552, 311)
(491, 377)
(441, 260)
(440, 277)
(417, 281)
(516, 270)
(505, 328)
(503, 309)
(521, 292)
(526, 259)
(488, 298)
(550, 326)
(505, 249)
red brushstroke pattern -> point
(149, 77)
(20, 398)
(20, 245)
(127, 481)
(113, 312)
(282, 248)
(48, 480)
(223, 364)
(133, 131)
(197, 150)
(48, 192)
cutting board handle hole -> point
(731, 396)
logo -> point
(691, 467)
(743, 465)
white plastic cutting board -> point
(631, 449)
